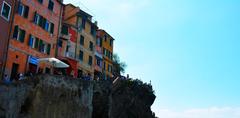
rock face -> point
(48, 96)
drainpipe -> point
(59, 30)
(77, 37)
(8, 38)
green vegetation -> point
(118, 65)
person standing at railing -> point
(6, 79)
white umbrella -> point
(55, 62)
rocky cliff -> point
(48, 96)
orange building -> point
(34, 35)
(107, 49)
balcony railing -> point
(70, 55)
(64, 36)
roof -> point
(60, 1)
(105, 33)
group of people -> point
(18, 77)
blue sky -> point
(189, 49)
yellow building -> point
(81, 47)
(107, 49)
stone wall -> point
(46, 96)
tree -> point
(118, 66)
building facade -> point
(98, 62)
(34, 35)
(81, 46)
(6, 15)
(107, 49)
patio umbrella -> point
(54, 62)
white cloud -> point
(213, 112)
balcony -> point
(64, 36)
(70, 55)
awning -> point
(54, 62)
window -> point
(107, 54)
(104, 66)
(99, 62)
(33, 41)
(100, 42)
(83, 23)
(37, 18)
(81, 55)
(51, 5)
(111, 42)
(91, 45)
(60, 42)
(104, 51)
(109, 68)
(90, 60)
(40, 1)
(19, 34)
(44, 47)
(64, 30)
(6, 11)
(93, 30)
(82, 40)
(23, 10)
(43, 23)
(105, 37)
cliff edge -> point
(47, 96)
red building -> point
(34, 35)
(6, 13)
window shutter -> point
(36, 43)
(52, 28)
(48, 49)
(26, 10)
(22, 36)
(43, 23)
(35, 17)
(15, 33)
(40, 45)
(40, 21)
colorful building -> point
(107, 49)
(81, 47)
(98, 62)
(6, 15)
(34, 35)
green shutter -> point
(40, 45)
(30, 40)
(22, 36)
(15, 33)
(48, 49)
(26, 10)
(36, 43)
(52, 28)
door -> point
(32, 68)
(14, 71)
